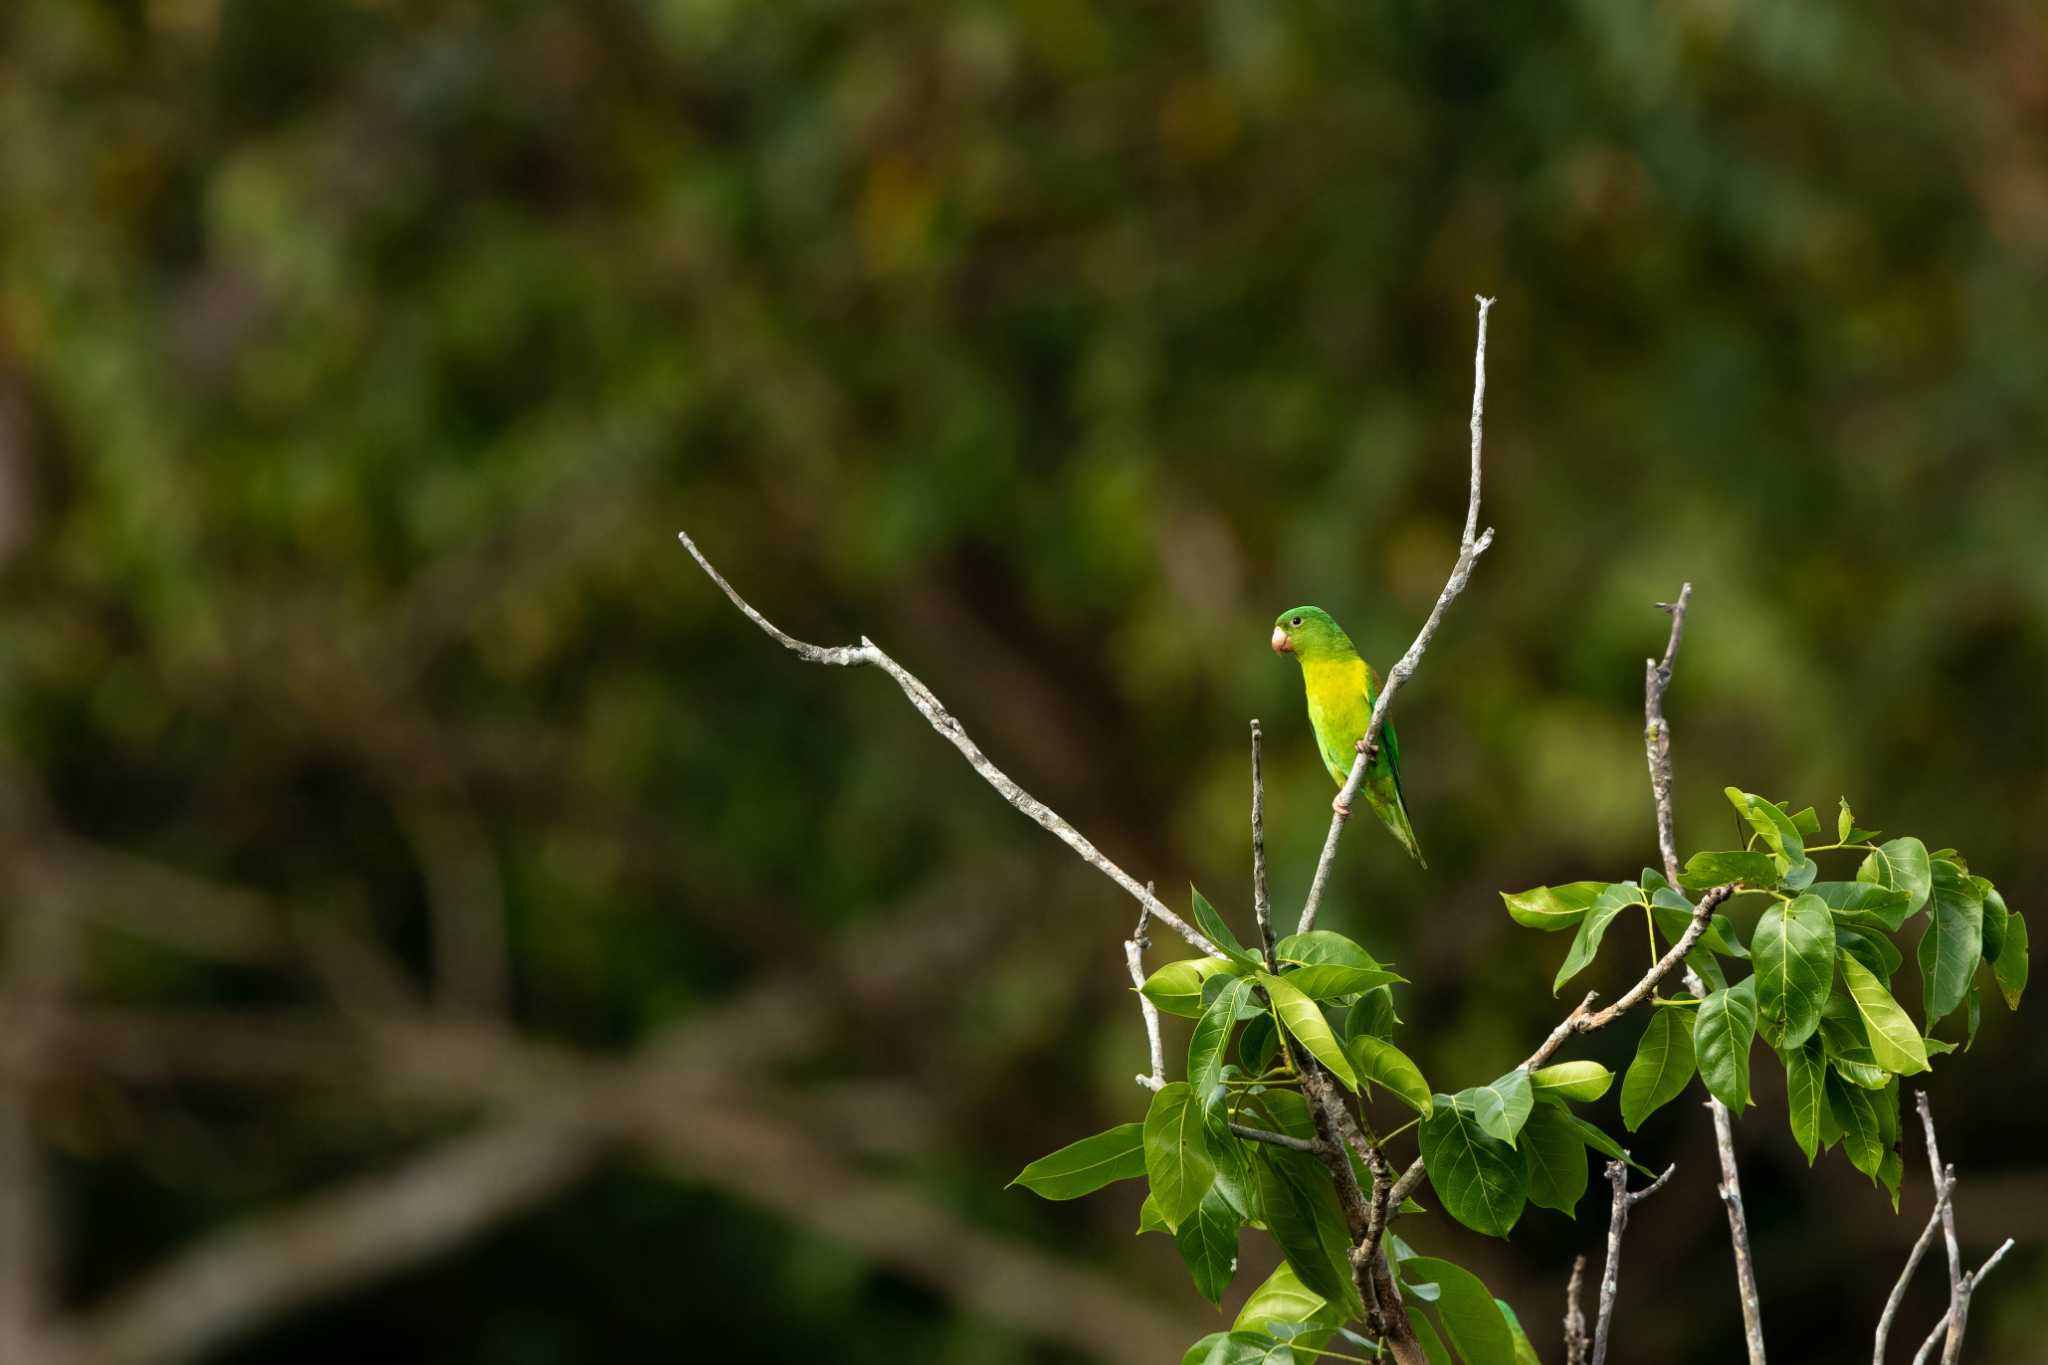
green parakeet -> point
(1341, 690)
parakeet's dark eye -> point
(1296, 623)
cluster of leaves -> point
(1332, 1001)
(1822, 962)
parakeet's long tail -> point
(1394, 815)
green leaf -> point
(1551, 908)
(1289, 1112)
(1611, 901)
(1844, 822)
(1211, 1038)
(1465, 1307)
(1854, 1111)
(1525, 1354)
(1805, 1096)
(1556, 1158)
(1482, 1181)
(1149, 1219)
(1382, 1063)
(1372, 1015)
(1258, 1045)
(1722, 1035)
(1238, 1348)
(1864, 903)
(1597, 1139)
(1319, 947)
(1703, 871)
(1794, 952)
(1807, 821)
(1974, 1015)
(1086, 1166)
(1218, 932)
(1283, 1298)
(1503, 1106)
(1425, 1335)
(1663, 1064)
(1207, 1240)
(1873, 950)
(1900, 865)
(1995, 916)
(1584, 1081)
(1954, 940)
(1177, 987)
(1300, 1208)
(1303, 1018)
(1328, 981)
(1779, 834)
(1177, 1159)
(1894, 1042)
(2011, 968)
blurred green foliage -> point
(358, 362)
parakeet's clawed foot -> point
(1371, 751)
(1337, 805)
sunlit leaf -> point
(1177, 1159)
(1382, 1063)
(1580, 1081)
(1793, 949)
(1894, 1043)
(1664, 1063)
(1722, 1036)
(1303, 1019)
(1551, 908)
(1086, 1166)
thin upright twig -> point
(941, 720)
(1575, 1340)
(1134, 958)
(1262, 898)
(1944, 1189)
(1948, 1212)
(1610, 1274)
(1471, 545)
(1657, 748)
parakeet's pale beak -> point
(1281, 644)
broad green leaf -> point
(1805, 1095)
(1871, 948)
(1551, 908)
(1207, 1239)
(1807, 821)
(1149, 1219)
(1720, 937)
(1233, 1169)
(1954, 941)
(1722, 1035)
(2011, 968)
(1894, 1043)
(1177, 987)
(1259, 1045)
(1995, 916)
(1779, 834)
(1704, 871)
(1556, 1157)
(1321, 947)
(1372, 1015)
(1465, 1307)
(1303, 1018)
(1249, 1006)
(1663, 1064)
(1327, 981)
(1482, 1181)
(1301, 1211)
(1425, 1335)
(1583, 1081)
(1218, 931)
(1289, 1112)
(1844, 822)
(1857, 1115)
(1503, 1105)
(1177, 1159)
(1864, 903)
(1382, 1063)
(1525, 1354)
(1901, 865)
(1598, 1140)
(1086, 1166)
(1610, 902)
(1794, 952)
(1238, 1348)
(1283, 1298)
(1211, 1038)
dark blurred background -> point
(439, 928)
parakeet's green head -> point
(1310, 635)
